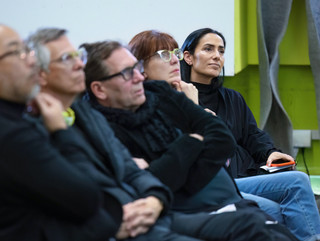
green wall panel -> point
(296, 84)
(297, 94)
(298, 97)
(294, 46)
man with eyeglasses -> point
(64, 78)
(44, 196)
(23, 79)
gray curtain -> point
(313, 14)
(273, 16)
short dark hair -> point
(190, 45)
(97, 52)
(146, 43)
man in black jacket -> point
(44, 197)
(145, 200)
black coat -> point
(48, 187)
(42, 195)
(115, 170)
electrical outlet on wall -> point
(302, 138)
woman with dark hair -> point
(202, 66)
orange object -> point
(281, 163)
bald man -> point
(43, 195)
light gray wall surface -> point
(94, 20)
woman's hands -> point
(277, 156)
(189, 89)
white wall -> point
(92, 20)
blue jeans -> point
(268, 206)
(292, 192)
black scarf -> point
(154, 125)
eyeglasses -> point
(166, 55)
(22, 53)
(68, 58)
(127, 73)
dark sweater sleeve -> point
(41, 174)
(146, 184)
(218, 145)
(75, 156)
(177, 161)
(256, 141)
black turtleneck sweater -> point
(253, 145)
(208, 95)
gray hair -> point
(37, 41)
(46, 35)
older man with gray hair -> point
(44, 197)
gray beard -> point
(34, 92)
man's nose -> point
(137, 76)
(78, 63)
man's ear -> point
(187, 57)
(98, 90)
(43, 78)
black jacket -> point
(48, 187)
(115, 170)
(42, 195)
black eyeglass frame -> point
(22, 53)
(125, 72)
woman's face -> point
(157, 69)
(208, 58)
